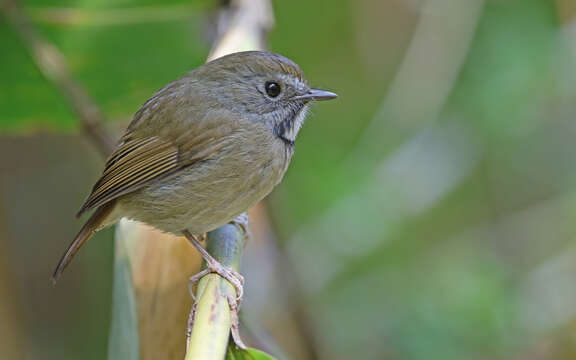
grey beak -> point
(316, 95)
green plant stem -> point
(212, 314)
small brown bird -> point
(203, 150)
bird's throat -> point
(288, 129)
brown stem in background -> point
(297, 324)
(12, 339)
(54, 67)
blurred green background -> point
(427, 214)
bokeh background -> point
(429, 212)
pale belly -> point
(203, 197)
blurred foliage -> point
(508, 78)
(118, 63)
(452, 238)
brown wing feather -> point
(135, 162)
(138, 160)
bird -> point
(202, 150)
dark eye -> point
(272, 88)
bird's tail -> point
(92, 225)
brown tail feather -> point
(91, 226)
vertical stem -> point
(212, 315)
(243, 24)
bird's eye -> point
(272, 88)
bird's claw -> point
(233, 277)
(235, 323)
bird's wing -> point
(141, 157)
(139, 160)
(132, 164)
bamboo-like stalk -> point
(215, 311)
(243, 26)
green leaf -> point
(235, 353)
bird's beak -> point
(316, 95)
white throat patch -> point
(290, 133)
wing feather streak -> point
(133, 164)
(146, 154)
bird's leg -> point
(213, 266)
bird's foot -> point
(233, 277)
(214, 267)
(234, 305)
(237, 281)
